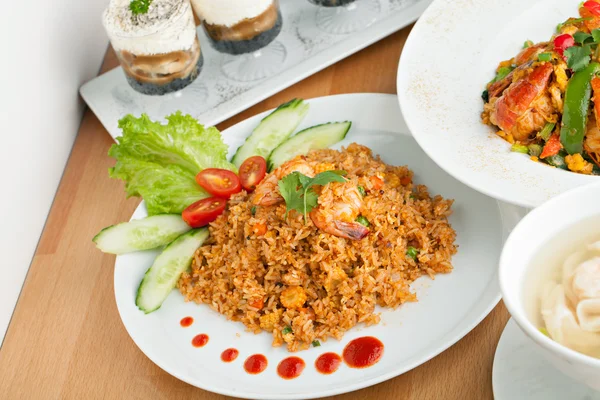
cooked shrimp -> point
(525, 106)
(522, 61)
(267, 192)
(530, 53)
(339, 206)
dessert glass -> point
(245, 30)
(158, 50)
(341, 17)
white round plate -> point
(521, 372)
(448, 308)
(450, 55)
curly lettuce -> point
(159, 162)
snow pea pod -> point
(577, 104)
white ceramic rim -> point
(512, 303)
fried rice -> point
(254, 275)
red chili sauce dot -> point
(229, 355)
(363, 352)
(328, 363)
(186, 322)
(255, 364)
(291, 367)
(200, 340)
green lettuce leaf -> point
(160, 162)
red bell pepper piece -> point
(593, 7)
(552, 146)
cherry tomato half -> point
(252, 172)
(219, 182)
(203, 211)
(563, 42)
(593, 7)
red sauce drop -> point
(229, 355)
(363, 352)
(328, 363)
(290, 368)
(255, 364)
(200, 340)
(186, 322)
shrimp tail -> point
(351, 230)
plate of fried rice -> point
(508, 110)
(417, 274)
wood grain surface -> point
(66, 340)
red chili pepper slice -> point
(552, 146)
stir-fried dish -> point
(546, 100)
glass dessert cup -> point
(247, 38)
(160, 53)
(342, 17)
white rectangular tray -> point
(213, 97)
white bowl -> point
(446, 62)
(526, 242)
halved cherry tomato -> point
(219, 182)
(563, 42)
(593, 7)
(252, 172)
(203, 211)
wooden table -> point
(66, 340)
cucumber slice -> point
(273, 130)
(316, 137)
(141, 234)
(164, 273)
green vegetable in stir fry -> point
(577, 103)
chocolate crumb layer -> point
(173, 86)
(331, 3)
(243, 46)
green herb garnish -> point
(253, 210)
(571, 21)
(139, 6)
(578, 57)
(596, 35)
(546, 132)
(545, 57)
(286, 330)
(502, 73)
(316, 343)
(527, 44)
(535, 150)
(363, 221)
(296, 189)
(362, 191)
(412, 252)
(582, 37)
(519, 148)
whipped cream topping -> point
(229, 12)
(167, 26)
(571, 307)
